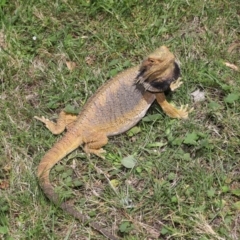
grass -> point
(186, 182)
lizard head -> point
(158, 70)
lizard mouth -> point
(160, 83)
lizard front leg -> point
(65, 120)
(170, 110)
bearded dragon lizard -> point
(116, 107)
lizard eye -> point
(151, 60)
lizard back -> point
(118, 105)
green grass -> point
(186, 182)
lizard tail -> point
(66, 145)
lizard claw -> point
(176, 84)
(50, 125)
(44, 120)
(99, 152)
(183, 111)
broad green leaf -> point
(3, 230)
(125, 227)
(114, 183)
(214, 105)
(191, 138)
(177, 141)
(186, 157)
(77, 183)
(129, 161)
(164, 231)
(237, 205)
(71, 109)
(156, 144)
(114, 72)
(151, 118)
(59, 168)
(67, 173)
(205, 143)
(52, 105)
(231, 97)
(133, 131)
(174, 199)
(236, 192)
(113, 62)
(211, 192)
(68, 180)
(139, 169)
(92, 214)
(225, 189)
(127, 63)
(171, 176)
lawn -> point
(185, 182)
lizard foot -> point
(176, 84)
(43, 120)
(51, 126)
(99, 152)
(183, 112)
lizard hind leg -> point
(94, 144)
(65, 120)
